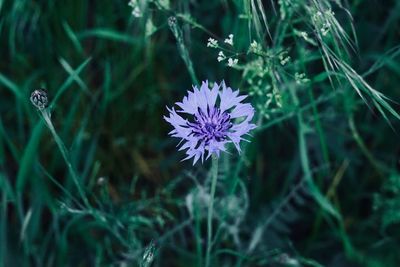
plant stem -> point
(214, 177)
(64, 153)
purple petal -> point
(229, 98)
(243, 110)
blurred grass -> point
(302, 192)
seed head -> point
(39, 99)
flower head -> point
(39, 99)
(211, 118)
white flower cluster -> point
(304, 35)
(255, 47)
(221, 56)
(325, 28)
(212, 43)
(229, 40)
(273, 102)
(301, 78)
(284, 58)
(321, 20)
(232, 62)
(136, 12)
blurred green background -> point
(317, 185)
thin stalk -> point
(197, 223)
(3, 228)
(360, 142)
(214, 176)
(177, 32)
(64, 152)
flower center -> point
(211, 125)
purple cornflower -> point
(212, 123)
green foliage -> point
(388, 202)
(94, 180)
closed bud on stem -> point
(172, 21)
(39, 99)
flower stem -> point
(214, 176)
(64, 153)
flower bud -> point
(172, 21)
(39, 99)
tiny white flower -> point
(255, 47)
(212, 43)
(325, 28)
(284, 58)
(229, 40)
(232, 62)
(221, 56)
(136, 12)
(301, 78)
